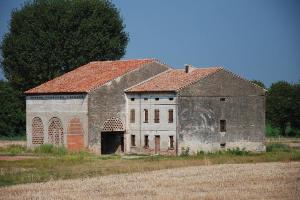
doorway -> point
(157, 144)
(112, 142)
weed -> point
(275, 147)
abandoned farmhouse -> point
(145, 106)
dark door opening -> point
(112, 142)
(157, 144)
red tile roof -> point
(173, 80)
(89, 76)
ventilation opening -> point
(223, 145)
(132, 99)
(222, 99)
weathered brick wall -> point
(200, 111)
(109, 101)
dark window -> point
(171, 141)
(146, 115)
(222, 145)
(146, 99)
(146, 141)
(171, 116)
(132, 99)
(223, 125)
(171, 98)
(156, 116)
(156, 99)
(222, 99)
(133, 140)
(132, 116)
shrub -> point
(185, 151)
(276, 147)
(272, 131)
(237, 151)
(50, 149)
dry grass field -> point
(228, 181)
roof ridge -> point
(142, 64)
(201, 78)
(140, 83)
(123, 60)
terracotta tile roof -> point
(173, 80)
(89, 76)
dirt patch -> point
(13, 158)
(228, 181)
(6, 143)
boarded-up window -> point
(171, 116)
(146, 115)
(75, 139)
(37, 131)
(132, 116)
(222, 125)
(156, 116)
(55, 131)
(133, 140)
(146, 141)
(171, 141)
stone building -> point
(144, 106)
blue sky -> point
(257, 39)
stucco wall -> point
(64, 107)
(200, 111)
(109, 101)
(139, 128)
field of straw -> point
(228, 181)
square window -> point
(156, 99)
(132, 99)
(171, 98)
(145, 99)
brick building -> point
(144, 106)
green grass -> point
(53, 163)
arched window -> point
(37, 131)
(55, 131)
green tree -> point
(281, 105)
(259, 83)
(12, 117)
(50, 37)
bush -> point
(291, 131)
(276, 147)
(14, 149)
(272, 131)
(185, 151)
(237, 151)
(50, 149)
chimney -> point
(188, 68)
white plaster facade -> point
(151, 101)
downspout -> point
(140, 98)
(177, 128)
